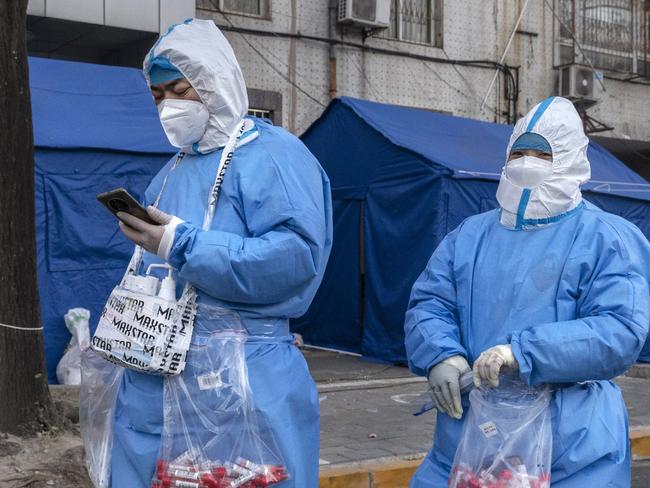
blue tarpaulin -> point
(96, 128)
(402, 179)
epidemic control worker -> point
(263, 257)
(549, 286)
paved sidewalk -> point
(369, 434)
(372, 423)
(365, 423)
(636, 392)
(330, 366)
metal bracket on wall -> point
(592, 125)
(366, 33)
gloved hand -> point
(490, 363)
(445, 385)
(156, 239)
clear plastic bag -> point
(506, 440)
(100, 382)
(68, 370)
(213, 437)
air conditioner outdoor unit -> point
(578, 84)
(365, 13)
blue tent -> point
(95, 129)
(393, 170)
(402, 179)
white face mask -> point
(528, 171)
(184, 121)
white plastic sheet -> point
(68, 371)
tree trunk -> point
(25, 404)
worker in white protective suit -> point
(548, 286)
(263, 256)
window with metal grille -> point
(614, 34)
(252, 8)
(261, 113)
(418, 21)
(265, 104)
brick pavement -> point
(372, 423)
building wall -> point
(472, 30)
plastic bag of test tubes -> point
(465, 477)
(213, 437)
(181, 473)
(506, 440)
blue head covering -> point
(162, 71)
(530, 140)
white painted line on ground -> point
(406, 398)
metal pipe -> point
(331, 28)
(476, 63)
(505, 51)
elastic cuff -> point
(525, 370)
(167, 239)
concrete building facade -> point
(436, 54)
(275, 41)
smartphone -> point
(120, 200)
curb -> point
(640, 442)
(390, 472)
(325, 387)
(639, 370)
(396, 472)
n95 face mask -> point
(528, 171)
(184, 121)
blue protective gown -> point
(572, 300)
(264, 257)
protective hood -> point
(557, 120)
(199, 50)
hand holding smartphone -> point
(120, 200)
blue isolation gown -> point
(264, 258)
(572, 300)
